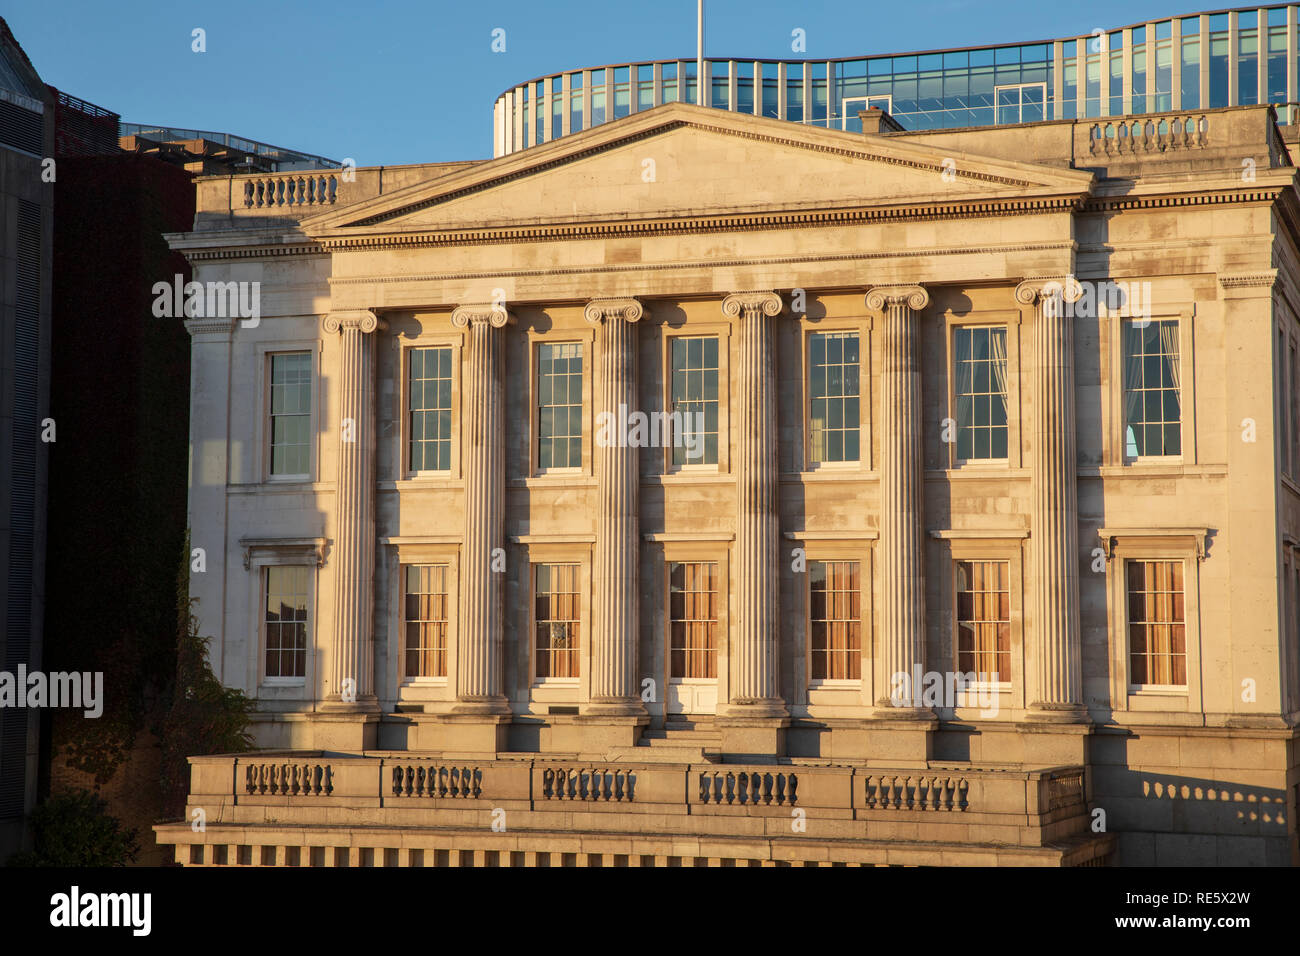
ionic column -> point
(1054, 545)
(479, 641)
(754, 689)
(615, 581)
(902, 486)
(352, 684)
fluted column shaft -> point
(1055, 497)
(479, 646)
(353, 658)
(757, 582)
(902, 478)
(615, 592)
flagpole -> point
(699, 52)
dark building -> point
(26, 219)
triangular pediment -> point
(681, 161)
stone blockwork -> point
(1139, 609)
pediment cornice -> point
(995, 176)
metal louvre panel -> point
(20, 128)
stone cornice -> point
(882, 297)
(1250, 280)
(739, 221)
(975, 208)
(493, 313)
(215, 325)
(285, 550)
(751, 304)
(1197, 536)
(627, 309)
(362, 319)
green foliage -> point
(204, 717)
(75, 829)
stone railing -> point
(916, 791)
(289, 196)
(752, 788)
(434, 779)
(1149, 134)
(1065, 789)
(288, 779)
(591, 785)
(398, 780)
(291, 189)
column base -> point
(346, 731)
(1055, 734)
(468, 733)
(1058, 713)
(595, 734)
(755, 732)
(897, 737)
(615, 707)
(483, 706)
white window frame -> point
(722, 332)
(862, 327)
(265, 431)
(560, 336)
(455, 342)
(1020, 106)
(1121, 545)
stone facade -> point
(1067, 239)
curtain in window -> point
(998, 355)
(1132, 379)
(1169, 345)
(965, 379)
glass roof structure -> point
(1192, 62)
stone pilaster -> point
(755, 693)
(351, 691)
(480, 638)
(615, 582)
(901, 555)
(210, 367)
(1054, 543)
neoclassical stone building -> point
(587, 503)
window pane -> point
(983, 619)
(284, 624)
(1157, 633)
(834, 606)
(833, 388)
(559, 390)
(693, 625)
(556, 623)
(290, 424)
(425, 620)
(1152, 400)
(429, 397)
(693, 413)
(980, 392)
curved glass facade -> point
(1197, 61)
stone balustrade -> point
(308, 781)
(1149, 134)
(382, 809)
(296, 195)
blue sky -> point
(405, 81)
